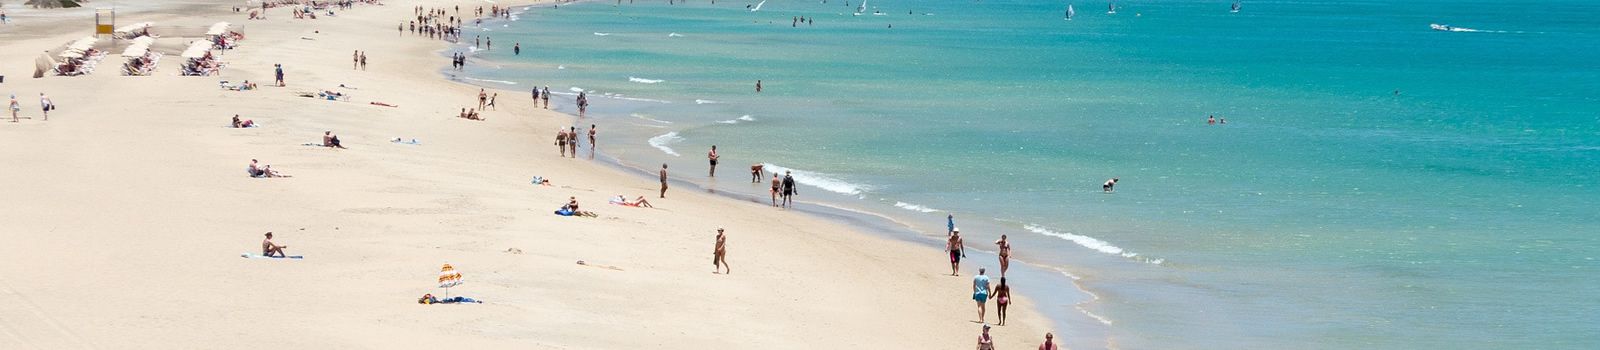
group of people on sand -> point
(45, 106)
(358, 60)
(485, 100)
(435, 23)
(470, 114)
(982, 288)
(571, 209)
(541, 95)
(567, 140)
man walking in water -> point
(777, 187)
(957, 251)
(788, 189)
(1109, 186)
(719, 254)
(713, 157)
(663, 180)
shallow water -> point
(1329, 212)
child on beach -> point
(46, 105)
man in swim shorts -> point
(713, 157)
(957, 251)
(788, 189)
(1109, 186)
(755, 172)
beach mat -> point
(259, 256)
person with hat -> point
(719, 255)
(985, 342)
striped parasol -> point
(448, 277)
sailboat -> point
(1235, 6)
(861, 9)
(1113, 9)
(1069, 12)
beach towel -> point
(259, 256)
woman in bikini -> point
(1002, 297)
(777, 182)
(1005, 255)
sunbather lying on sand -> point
(246, 123)
(639, 202)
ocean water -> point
(1378, 184)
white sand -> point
(126, 212)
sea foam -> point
(914, 207)
(663, 141)
(1091, 243)
(745, 118)
(644, 81)
(819, 180)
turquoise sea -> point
(1378, 184)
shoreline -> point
(868, 221)
(376, 256)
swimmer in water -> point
(1110, 185)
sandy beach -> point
(127, 212)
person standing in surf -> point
(777, 187)
(758, 86)
(1110, 186)
(789, 189)
(957, 250)
(712, 156)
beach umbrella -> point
(218, 29)
(448, 277)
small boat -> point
(1112, 8)
(861, 9)
(1441, 27)
(1069, 12)
(1235, 7)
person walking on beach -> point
(278, 72)
(491, 100)
(1005, 255)
(719, 255)
(483, 98)
(363, 61)
(713, 157)
(535, 97)
(980, 292)
(789, 189)
(1110, 186)
(14, 107)
(1049, 342)
(949, 224)
(272, 250)
(957, 250)
(561, 141)
(572, 141)
(663, 180)
(1002, 297)
(591, 141)
(355, 59)
(985, 342)
(546, 96)
(46, 105)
